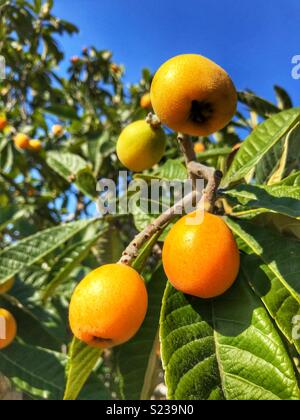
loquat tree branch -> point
(213, 178)
(187, 148)
(131, 252)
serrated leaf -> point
(66, 164)
(280, 304)
(277, 198)
(260, 141)
(225, 348)
(82, 361)
(279, 253)
(136, 359)
(31, 250)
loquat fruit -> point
(193, 95)
(3, 123)
(21, 141)
(75, 59)
(35, 145)
(199, 148)
(141, 146)
(8, 328)
(201, 259)
(57, 130)
(115, 68)
(109, 306)
(146, 101)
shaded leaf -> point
(135, 358)
(277, 299)
(30, 250)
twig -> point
(213, 177)
(158, 225)
(187, 148)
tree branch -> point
(158, 225)
(187, 148)
(213, 178)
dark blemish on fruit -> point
(201, 112)
(100, 340)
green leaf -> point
(86, 183)
(284, 225)
(110, 246)
(283, 98)
(31, 250)
(145, 252)
(73, 168)
(278, 198)
(36, 326)
(63, 267)
(292, 180)
(172, 170)
(38, 372)
(225, 348)
(9, 215)
(280, 304)
(64, 112)
(213, 153)
(260, 141)
(136, 359)
(281, 160)
(279, 253)
(262, 107)
(66, 164)
(82, 361)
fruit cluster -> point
(22, 141)
(192, 95)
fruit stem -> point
(131, 252)
(153, 120)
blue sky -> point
(253, 40)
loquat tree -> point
(213, 305)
